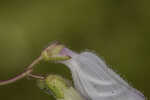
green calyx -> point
(53, 53)
(58, 87)
(55, 85)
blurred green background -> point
(117, 30)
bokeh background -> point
(117, 30)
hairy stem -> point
(23, 74)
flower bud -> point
(58, 87)
(54, 53)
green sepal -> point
(54, 85)
(43, 86)
(52, 53)
(57, 85)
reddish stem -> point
(23, 74)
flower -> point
(92, 77)
(96, 81)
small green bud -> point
(53, 85)
(57, 85)
(53, 52)
(59, 88)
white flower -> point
(92, 78)
(95, 81)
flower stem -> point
(23, 74)
(36, 76)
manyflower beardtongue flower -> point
(92, 78)
(95, 81)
